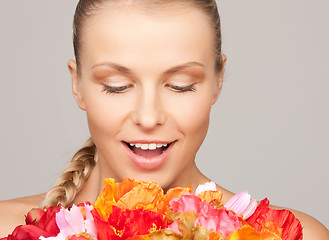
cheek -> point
(192, 113)
(105, 113)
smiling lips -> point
(148, 155)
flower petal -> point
(174, 227)
(208, 186)
(89, 208)
(186, 203)
(62, 223)
(33, 216)
(285, 219)
(246, 232)
(90, 227)
(219, 220)
(250, 209)
(238, 203)
(71, 221)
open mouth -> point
(148, 150)
(148, 156)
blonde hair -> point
(77, 172)
(73, 177)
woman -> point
(147, 74)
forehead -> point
(131, 35)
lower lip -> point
(151, 163)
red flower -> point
(128, 223)
(34, 216)
(39, 223)
(27, 232)
(285, 219)
(47, 221)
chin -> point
(164, 179)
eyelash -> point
(190, 88)
(116, 90)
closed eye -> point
(110, 89)
(189, 88)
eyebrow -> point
(128, 71)
(115, 66)
(182, 67)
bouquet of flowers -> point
(136, 210)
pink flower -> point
(242, 205)
(73, 221)
(186, 203)
(220, 220)
(174, 227)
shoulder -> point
(312, 228)
(13, 212)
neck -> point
(94, 185)
(191, 178)
(91, 188)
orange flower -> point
(107, 199)
(142, 195)
(213, 197)
(246, 232)
(163, 202)
(270, 229)
(125, 186)
(215, 236)
(133, 194)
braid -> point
(73, 177)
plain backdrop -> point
(269, 131)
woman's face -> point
(147, 83)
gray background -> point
(269, 131)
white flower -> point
(208, 186)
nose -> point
(149, 112)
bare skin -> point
(152, 106)
(13, 212)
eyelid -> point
(116, 84)
(185, 88)
(116, 90)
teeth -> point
(145, 146)
(150, 146)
